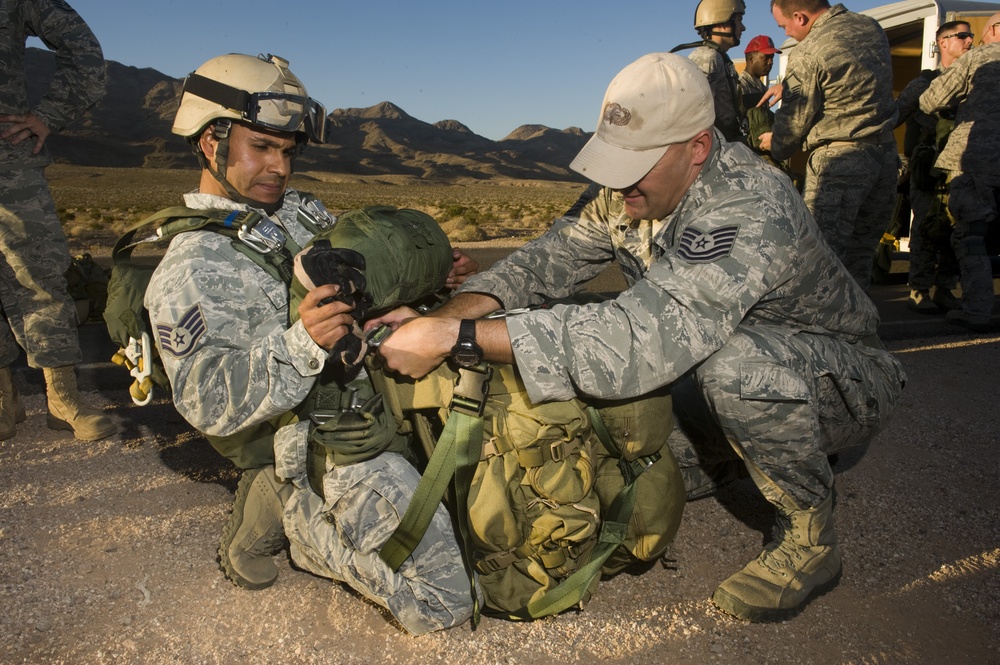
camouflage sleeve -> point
(80, 69)
(801, 105)
(555, 265)
(951, 87)
(680, 313)
(908, 102)
(221, 326)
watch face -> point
(466, 353)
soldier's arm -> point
(801, 105)
(244, 365)
(80, 74)
(948, 89)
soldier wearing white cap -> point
(732, 292)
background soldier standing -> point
(759, 55)
(836, 100)
(720, 25)
(933, 265)
(39, 314)
(970, 156)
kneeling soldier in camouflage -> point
(732, 289)
(219, 305)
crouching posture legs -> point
(784, 402)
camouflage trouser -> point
(973, 201)
(338, 535)
(783, 402)
(851, 191)
(39, 314)
(930, 263)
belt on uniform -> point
(875, 139)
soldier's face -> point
(796, 26)
(658, 193)
(259, 163)
(952, 46)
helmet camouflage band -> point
(715, 12)
(260, 91)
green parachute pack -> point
(547, 497)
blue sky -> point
(491, 66)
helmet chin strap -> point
(732, 32)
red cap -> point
(761, 43)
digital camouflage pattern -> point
(233, 362)
(39, 314)
(80, 72)
(222, 328)
(837, 85)
(751, 85)
(338, 535)
(724, 82)
(971, 84)
(739, 267)
(837, 101)
(970, 156)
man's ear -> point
(208, 143)
(701, 147)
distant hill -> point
(130, 127)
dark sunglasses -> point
(960, 35)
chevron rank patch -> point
(700, 247)
(179, 340)
(792, 88)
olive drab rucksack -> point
(87, 284)
(547, 496)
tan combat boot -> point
(68, 411)
(803, 559)
(11, 406)
(254, 532)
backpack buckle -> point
(261, 234)
(139, 356)
(472, 387)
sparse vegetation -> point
(96, 205)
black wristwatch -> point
(466, 353)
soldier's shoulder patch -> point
(179, 340)
(793, 88)
(704, 247)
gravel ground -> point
(107, 553)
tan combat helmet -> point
(258, 91)
(717, 12)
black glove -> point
(322, 264)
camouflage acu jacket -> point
(730, 117)
(79, 79)
(972, 81)
(221, 325)
(837, 85)
(741, 249)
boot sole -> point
(229, 533)
(61, 425)
(737, 608)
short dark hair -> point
(787, 7)
(945, 27)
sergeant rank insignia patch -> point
(179, 340)
(700, 247)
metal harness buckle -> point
(261, 234)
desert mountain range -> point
(130, 127)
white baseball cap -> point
(658, 100)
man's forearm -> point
(468, 305)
